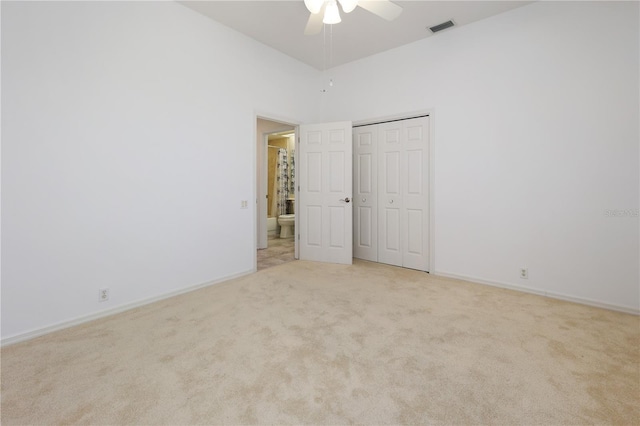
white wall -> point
(117, 169)
(536, 133)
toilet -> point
(286, 222)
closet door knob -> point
(391, 202)
(346, 199)
(364, 200)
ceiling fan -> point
(327, 12)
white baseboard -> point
(552, 295)
(115, 310)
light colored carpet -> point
(307, 343)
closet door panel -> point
(364, 238)
(415, 215)
(392, 231)
(414, 248)
(392, 173)
(389, 193)
(365, 197)
(414, 239)
(415, 172)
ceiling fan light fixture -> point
(348, 5)
(313, 6)
(331, 13)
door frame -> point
(432, 144)
(260, 176)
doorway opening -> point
(276, 175)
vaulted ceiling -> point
(281, 24)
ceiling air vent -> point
(441, 27)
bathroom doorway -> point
(276, 173)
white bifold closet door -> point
(391, 220)
(365, 195)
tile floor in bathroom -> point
(278, 251)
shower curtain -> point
(281, 184)
(292, 174)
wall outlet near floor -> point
(524, 273)
(103, 295)
(244, 204)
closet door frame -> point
(391, 164)
(431, 164)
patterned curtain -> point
(292, 174)
(281, 184)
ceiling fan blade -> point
(348, 5)
(383, 8)
(314, 24)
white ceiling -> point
(280, 24)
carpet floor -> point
(310, 343)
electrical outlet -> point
(103, 295)
(524, 273)
(244, 204)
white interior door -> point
(325, 179)
(365, 195)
